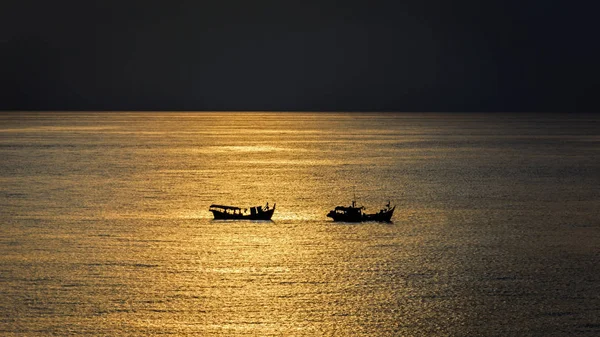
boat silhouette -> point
(354, 213)
(222, 212)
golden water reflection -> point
(106, 230)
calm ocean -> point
(105, 229)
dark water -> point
(105, 229)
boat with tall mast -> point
(354, 213)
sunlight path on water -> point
(105, 228)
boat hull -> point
(345, 217)
(218, 215)
(382, 216)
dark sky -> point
(285, 55)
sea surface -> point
(105, 228)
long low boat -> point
(222, 212)
(355, 213)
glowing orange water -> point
(105, 228)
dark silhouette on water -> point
(355, 213)
(237, 213)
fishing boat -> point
(354, 213)
(222, 212)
